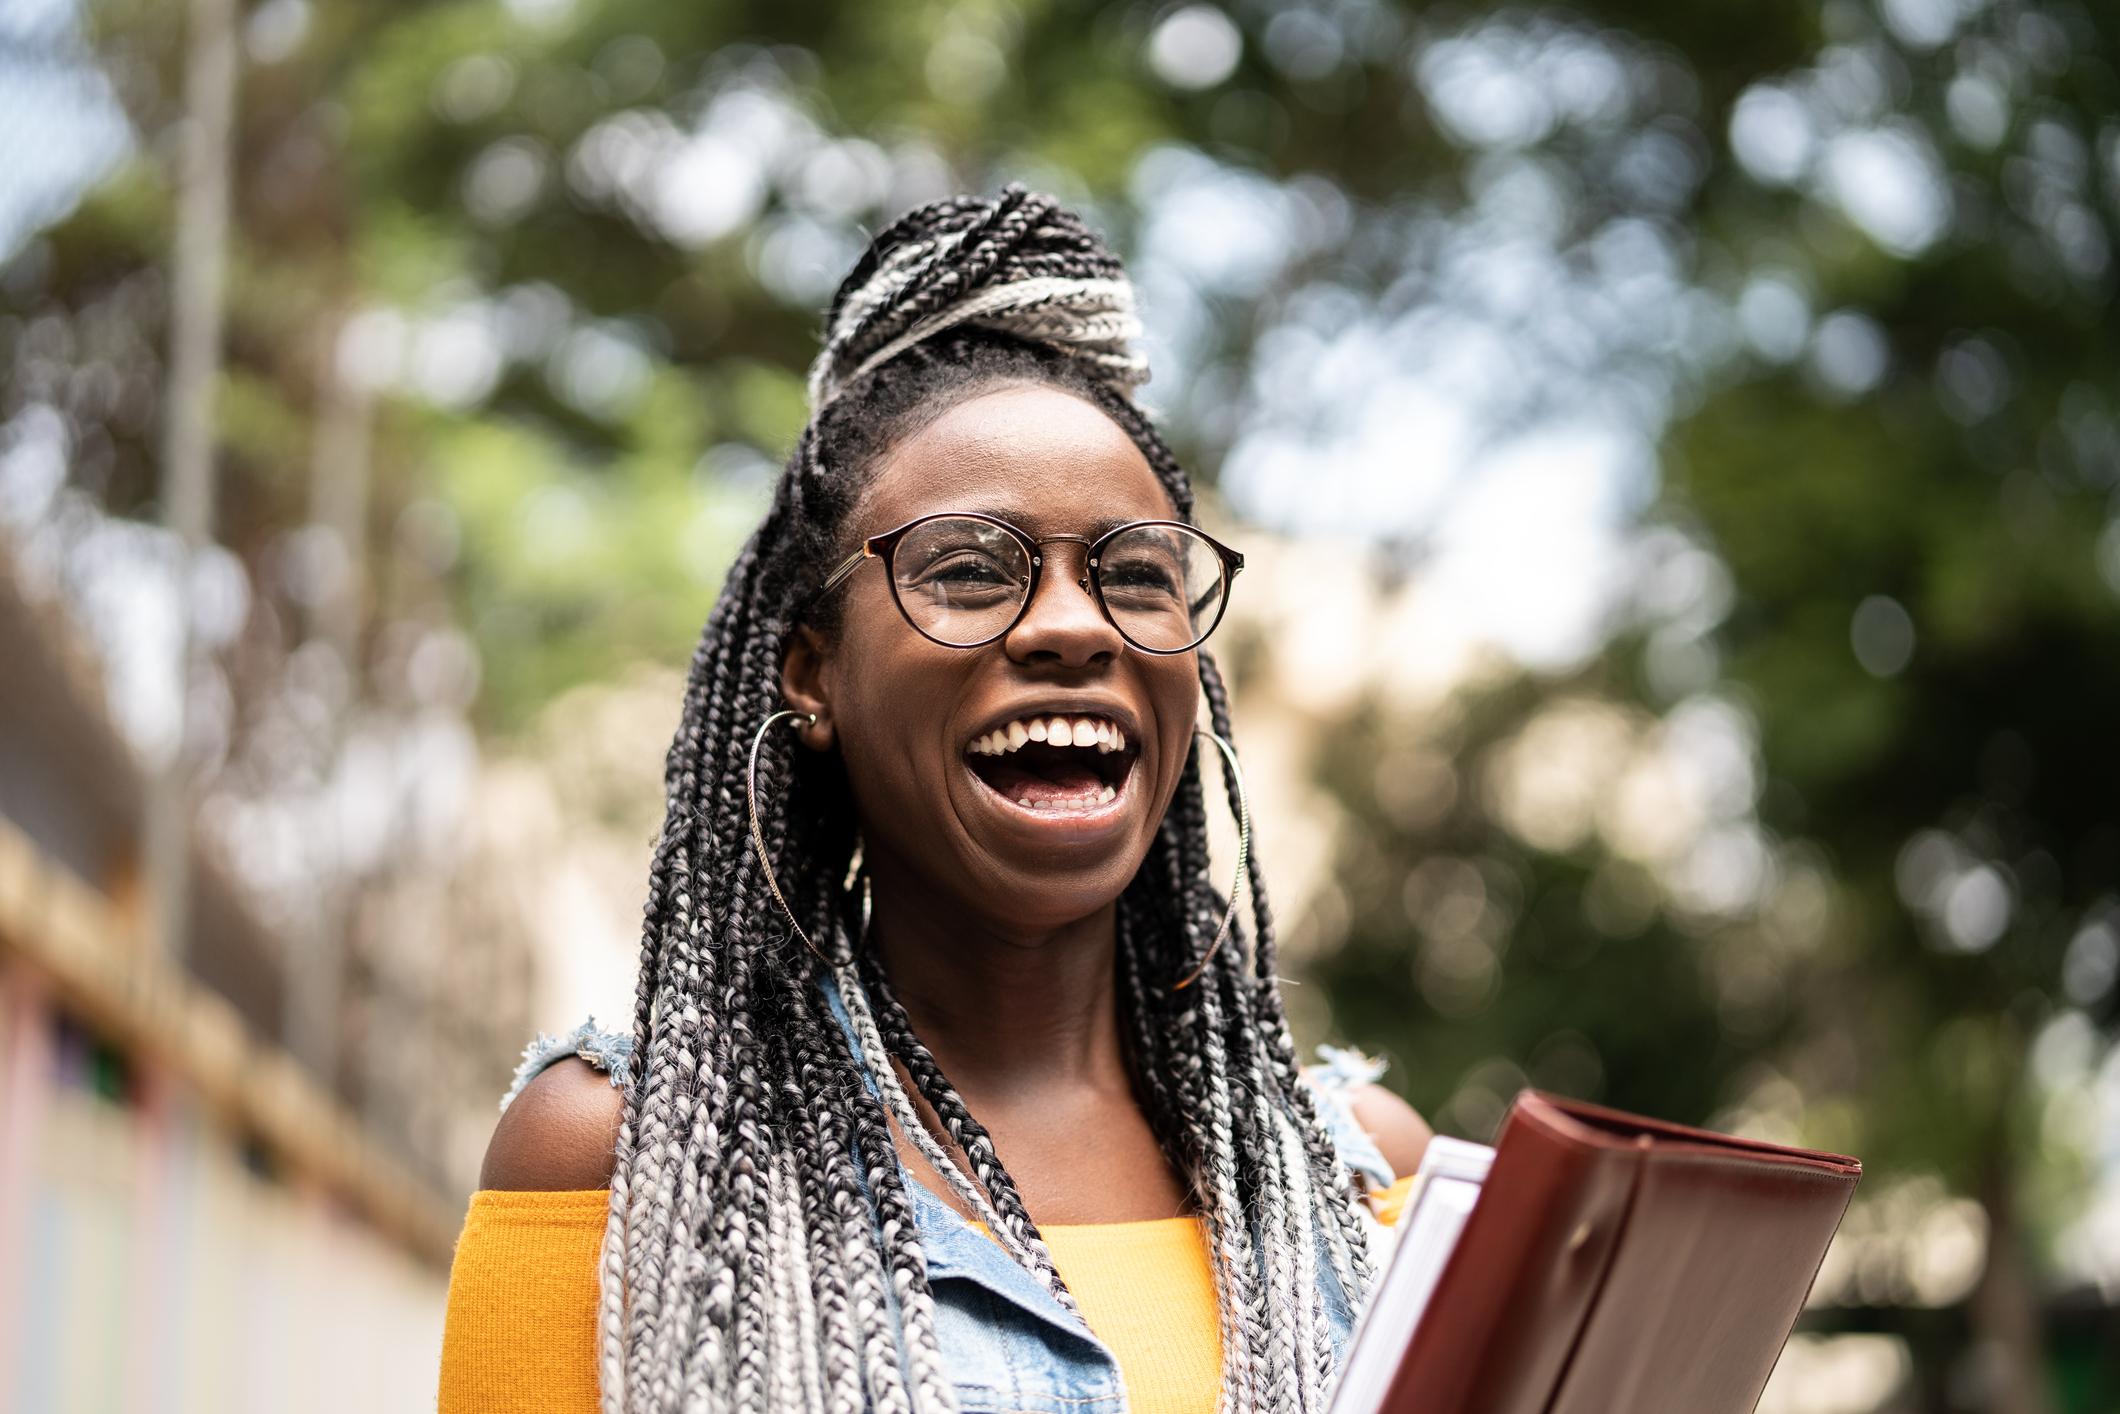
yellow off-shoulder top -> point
(520, 1333)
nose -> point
(1062, 623)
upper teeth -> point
(1104, 735)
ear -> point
(804, 686)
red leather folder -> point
(1620, 1265)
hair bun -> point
(1020, 264)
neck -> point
(1010, 1015)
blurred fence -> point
(155, 1262)
(188, 1218)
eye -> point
(965, 576)
(967, 569)
(1141, 574)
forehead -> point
(1038, 457)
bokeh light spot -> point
(1196, 47)
(1882, 634)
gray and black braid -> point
(761, 1233)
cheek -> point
(868, 660)
(1175, 688)
(888, 697)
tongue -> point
(1061, 785)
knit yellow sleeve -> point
(520, 1333)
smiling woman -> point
(953, 1082)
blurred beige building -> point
(191, 1217)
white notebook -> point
(1444, 1189)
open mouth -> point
(1055, 765)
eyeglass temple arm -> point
(1234, 562)
(847, 567)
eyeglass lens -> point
(963, 581)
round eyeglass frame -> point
(885, 546)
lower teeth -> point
(1104, 796)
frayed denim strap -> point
(1338, 1071)
(609, 1051)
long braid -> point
(1203, 1071)
(835, 1209)
(1010, 1217)
(743, 1235)
(1255, 1282)
(669, 930)
(1346, 1236)
(699, 1107)
(761, 1250)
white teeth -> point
(1087, 732)
(1103, 797)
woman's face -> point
(1021, 835)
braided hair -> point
(761, 1250)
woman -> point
(956, 1084)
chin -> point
(1018, 890)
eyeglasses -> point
(963, 579)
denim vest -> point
(1008, 1343)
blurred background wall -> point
(1676, 446)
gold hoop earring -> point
(1236, 776)
(758, 835)
(858, 873)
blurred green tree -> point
(1907, 466)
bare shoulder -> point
(1400, 1133)
(560, 1134)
